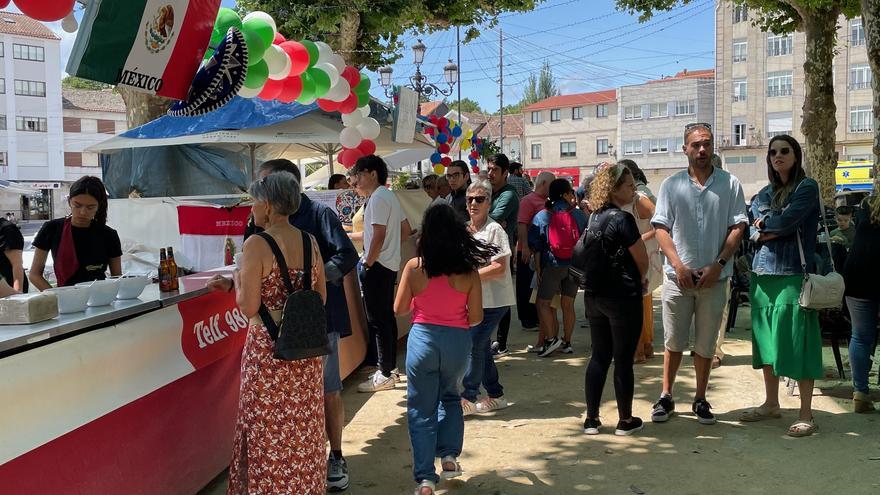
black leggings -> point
(615, 327)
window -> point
(2, 122)
(740, 13)
(856, 32)
(659, 110)
(659, 145)
(30, 124)
(632, 112)
(3, 161)
(73, 159)
(72, 124)
(28, 52)
(2, 86)
(602, 110)
(779, 44)
(602, 146)
(2, 49)
(778, 123)
(678, 147)
(577, 113)
(30, 88)
(686, 107)
(536, 152)
(740, 89)
(860, 76)
(568, 149)
(536, 117)
(779, 83)
(554, 115)
(632, 147)
(106, 126)
(739, 134)
(861, 119)
(740, 49)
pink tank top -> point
(440, 304)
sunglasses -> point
(479, 199)
(697, 124)
(782, 151)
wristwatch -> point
(722, 262)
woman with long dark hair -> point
(82, 244)
(443, 292)
(786, 340)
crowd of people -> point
(492, 242)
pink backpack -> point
(562, 234)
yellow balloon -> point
(438, 169)
(468, 135)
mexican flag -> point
(154, 46)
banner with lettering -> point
(208, 232)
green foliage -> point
(77, 83)
(538, 87)
(547, 86)
(490, 148)
(467, 105)
(398, 183)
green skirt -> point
(784, 335)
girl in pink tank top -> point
(442, 289)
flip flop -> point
(802, 428)
(755, 414)
(450, 473)
(426, 484)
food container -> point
(71, 299)
(103, 292)
(131, 286)
(24, 309)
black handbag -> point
(302, 331)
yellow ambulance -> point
(854, 176)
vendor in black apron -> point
(82, 244)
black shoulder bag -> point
(302, 332)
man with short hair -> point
(430, 185)
(516, 180)
(504, 210)
(459, 178)
(443, 189)
(699, 220)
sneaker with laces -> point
(467, 407)
(489, 404)
(566, 348)
(337, 474)
(539, 349)
(663, 409)
(591, 426)
(702, 409)
(550, 347)
(377, 382)
(625, 428)
(497, 353)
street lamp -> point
(418, 82)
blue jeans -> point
(864, 315)
(436, 357)
(481, 366)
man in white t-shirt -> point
(383, 223)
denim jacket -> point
(780, 256)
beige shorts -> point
(702, 307)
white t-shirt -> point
(438, 200)
(384, 209)
(498, 292)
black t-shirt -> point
(10, 240)
(95, 247)
(621, 232)
(862, 269)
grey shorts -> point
(703, 307)
(555, 280)
(332, 380)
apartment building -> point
(30, 116)
(760, 92)
(90, 117)
(513, 134)
(570, 134)
(653, 116)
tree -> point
(78, 83)
(538, 87)
(467, 105)
(547, 86)
(818, 20)
(870, 17)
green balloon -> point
(257, 75)
(308, 91)
(312, 48)
(216, 38)
(256, 47)
(322, 81)
(261, 28)
(363, 86)
(363, 98)
(226, 18)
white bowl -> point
(71, 299)
(103, 292)
(131, 286)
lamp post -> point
(418, 82)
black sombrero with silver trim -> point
(218, 80)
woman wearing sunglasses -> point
(786, 340)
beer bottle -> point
(172, 269)
(164, 272)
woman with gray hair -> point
(279, 434)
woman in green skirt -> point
(786, 340)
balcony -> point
(732, 141)
(781, 91)
(738, 98)
(860, 85)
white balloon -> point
(324, 52)
(352, 119)
(369, 128)
(246, 92)
(338, 62)
(350, 137)
(339, 92)
(331, 72)
(365, 110)
(277, 60)
(283, 73)
(264, 16)
(69, 24)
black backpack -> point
(303, 328)
(595, 260)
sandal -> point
(426, 484)
(716, 362)
(756, 414)
(802, 428)
(446, 473)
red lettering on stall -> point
(213, 327)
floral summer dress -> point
(279, 434)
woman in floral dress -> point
(279, 435)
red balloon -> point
(271, 89)
(442, 123)
(279, 38)
(328, 105)
(443, 148)
(341, 157)
(476, 169)
(429, 131)
(293, 86)
(4, 3)
(351, 75)
(355, 154)
(367, 147)
(446, 161)
(349, 104)
(299, 56)
(45, 10)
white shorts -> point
(702, 307)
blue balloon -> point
(456, 131)
(442, 138)
(473, 162)
(436, 157)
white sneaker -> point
(467, 407)
(377, 382)
(489, 404)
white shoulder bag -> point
(821, 291)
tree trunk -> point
(349, 29)
(870, 16)
(819, 123)
(141, 108)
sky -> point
(589, 44)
